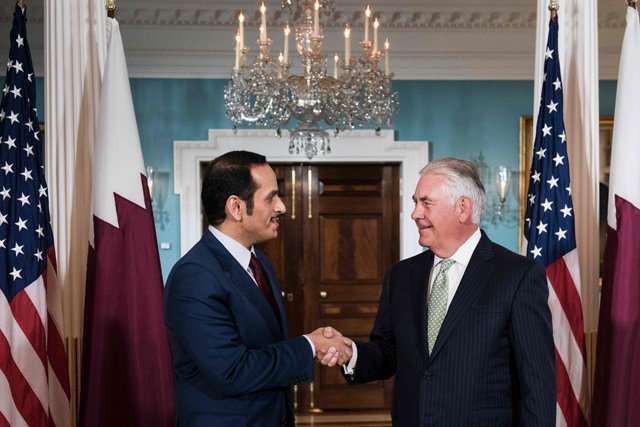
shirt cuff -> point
(349, 368)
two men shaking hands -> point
(464, 326)
(332, 348)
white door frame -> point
(359, 146)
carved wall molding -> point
(430, 39)
(395, 14)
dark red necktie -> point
(263, 283)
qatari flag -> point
(127, 377)
(617, 377)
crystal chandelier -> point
(265, 94)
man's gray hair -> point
(461, 179)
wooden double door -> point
(339, 237)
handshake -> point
(332, 348)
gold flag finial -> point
(553, 7)
(111, 8)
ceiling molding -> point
(430, 39)
(395, 14)
(396, 19)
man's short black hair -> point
(225, 176)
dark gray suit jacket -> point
(493, 363)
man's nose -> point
(280, 207)
(416, 213)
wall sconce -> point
(158, 182)
(498, 184)
(503, 179)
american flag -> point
(550, 239)
(34, 379)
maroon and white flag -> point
(127, 376)
(617, 379)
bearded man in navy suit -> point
(465, 326)
(233, 362)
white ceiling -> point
(430, 39)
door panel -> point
(348, 248)
(349, 245)
(334, 245)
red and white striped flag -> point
(549, 238)
(34, 378)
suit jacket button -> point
(427, 374)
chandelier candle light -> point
(265, 94)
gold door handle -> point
(293, 193)
(323, 294)
(287, 296)
(310, 192)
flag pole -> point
(111, 8)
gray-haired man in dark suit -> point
(465, 326)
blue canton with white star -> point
(25, 232)
(549, 221)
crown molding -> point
(405, 18)
(430, 39)
(394, 14)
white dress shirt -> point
(456, 271)
(454, 276)
(236, 249)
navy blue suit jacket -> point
(493, 362)
(233, 362)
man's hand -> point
(332, 348)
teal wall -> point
(168, 110)
(459, 118)
(607, 97)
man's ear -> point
(234, 207)
(464, 209)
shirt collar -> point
(464, 252)
(235, 248)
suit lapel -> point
(473, 281)
(243, 282)
(419, 288)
